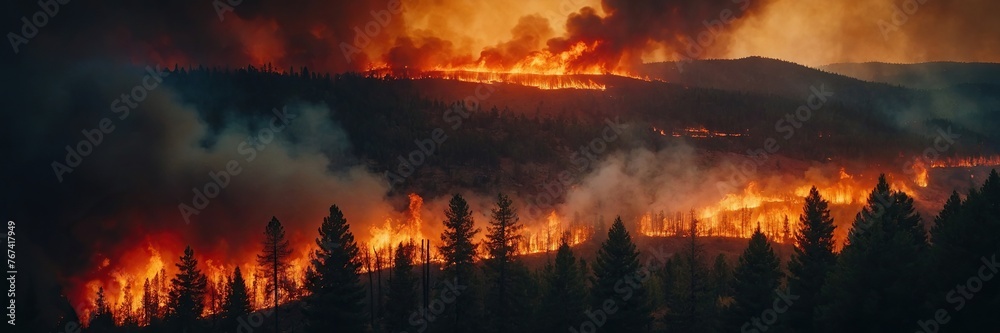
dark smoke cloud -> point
(630, 29)
(430, 52)
(435, 33)
(616, 36)
(300, 33)
(528, 36)
(124, 196)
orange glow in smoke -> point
(544, 63)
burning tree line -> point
(891, 275)
(736, 223)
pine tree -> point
(67, 319)
(336, 295)
(943, 221)
(101, 319)
(755, 280)
(669, 281)
(811, 262)
(690, 300)
(966, 242)
(786, 230)
(215, 295)
(125, 311)
(237, 301)
(618, 261)
(161, 294)
(187, 293)
(876, 282)
(402, 294)
(149, 304)
(721, 277)
(506, 299)
(459, 254)
(565, 292)
(273, 261)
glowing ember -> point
(702, 132)
(697, 132)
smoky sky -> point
(300, 33)
(450, 33)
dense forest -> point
(892, 275)
(897, 272)
(490, 166)
(539, 129)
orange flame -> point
(541, 69)
(920, 173)
(392, 232)
(738, 214)
(547, 235)
(697, 132)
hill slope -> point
(931, 75)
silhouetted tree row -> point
(890, 276)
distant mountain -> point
(767, 76)
(931, 75)
(909, 98)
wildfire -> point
(733, 215)
(702, 132)
(920, 174)
(739, 223)
(124, 286)
(967, 162)
(843, 192)
(543, 63)
(697, 132)
(775, 209)
(546, 236)
(541, 69)
(541, 81)
(773, 205)
(123, 291)
(393, 232)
